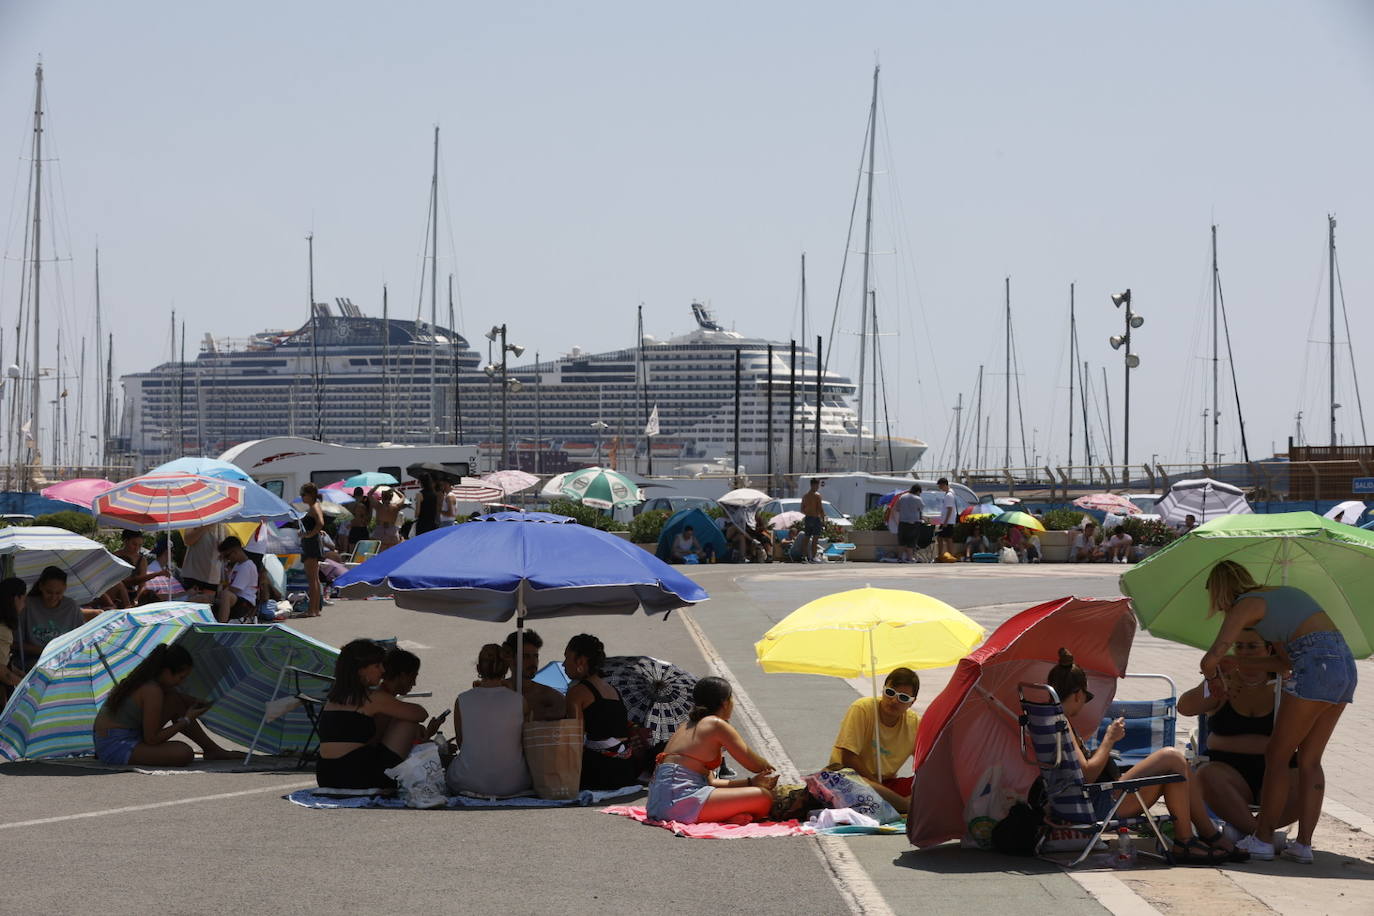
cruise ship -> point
(358, 380)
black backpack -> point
(1018, 832)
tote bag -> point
(553, 751)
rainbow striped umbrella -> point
(166, 501)
(54, 707)
(241, 668)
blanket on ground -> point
(256, 765)
(310, 798)
(715, 831)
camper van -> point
(283, 463)
(858, 492)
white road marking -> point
(128, 809)
(411, 646)
(855, 886)
(1113, 893)
(1348, 815)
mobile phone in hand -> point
(441, 718)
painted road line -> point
(129, 809)
(855, 886)
(1348, 815)
(1113, 893)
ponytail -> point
(1067, 678)
(708, 696)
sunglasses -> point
(901, 697)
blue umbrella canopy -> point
(239, 669)
(53, 709)
(205, 467)
(533, 564)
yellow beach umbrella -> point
(866, 631)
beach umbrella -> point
(1331, 561)
(1007, 502)
(974, 512)
(167, 501)
(1021, 520)
(973, 725)
(91, 569)
(1204, 499)
(744, 498)
(204, 467)
(522, 565)
(78, 491)
(1348, 511)
(53, 709)
(511, 481)
(369, 479)
(476, 490)
(601, 488)
(784, 520)
(553, 675)
(1107, 502)
(657, 694)
(240, 669)
(554, 488)
(434, 470)
(889, 497)
(867, 631)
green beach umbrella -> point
(1332, 562)
(601, 488)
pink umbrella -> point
(476, 491)
(1107, 502)
(80, 491)
(972, 724)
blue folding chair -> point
(1150, 724)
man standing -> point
(388, 516)
(949, 516)
(911, 511)
(814, 523)
(238, 598)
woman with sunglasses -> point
(1240, 708)
(897, 724)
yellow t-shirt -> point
(856, 736)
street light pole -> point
(1133, 321)
(507, 384)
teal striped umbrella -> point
(601, 488)
(241, 668)
(53, 709)
(90, 568)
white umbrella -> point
(511, 481)
(785, 520)
(1348, 511)
(744, 498)
(1204, 499)
(90, 568)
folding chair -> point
(363, 550)
(286, 697)
(837, 552)
(1070, 802)
(1150, 724)
(925, 544)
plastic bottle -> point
(1125, 850)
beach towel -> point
(311, 798)
(715, 831)
(258, 764)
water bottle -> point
(1125, 850)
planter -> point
(870, 546)
(1054, 546)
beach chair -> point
(1070, 802)
(837, 552)
(363, 550)
(295, 687)
(1150, 724)
(925, 544)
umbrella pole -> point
(520, 639)
(873, 676)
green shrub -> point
(872, 520)
(1062, 519)
(1148, 532)
(585, 515)
(81, 522)
(647, 526)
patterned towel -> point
(307, 798)
(715, 831)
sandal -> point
(1197, 854)
(1233, 854)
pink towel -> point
(715, 831)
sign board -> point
(1362, 485)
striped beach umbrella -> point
(477, 490)
(169, 501)
(90, 568)
(241, 668)
(53, 709)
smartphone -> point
(442, 717)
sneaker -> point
(1298, 852)
(1257, 848)
(1280, 840)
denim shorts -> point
(677, 794)
(1323, 668)
(117, 745)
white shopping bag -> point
(420, 777)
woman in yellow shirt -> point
(896, 737)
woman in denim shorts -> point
(1320, 684)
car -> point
(1145, 502)
(793, 504)
(676, 503)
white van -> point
(283, 463)
(857, 492)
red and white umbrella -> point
(80, 491)
(156, 502)
(476, 490)
(1107, 502)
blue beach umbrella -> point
(553, 675)
(370, 479)
(53, 709)
(205, 467)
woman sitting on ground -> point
(487, 721)
(685, 787)
(976, 542)
(400, 674)
(353, 751)
(1240, 718)
(145, 711)
(607, 759)
(1183, 799)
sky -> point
(596, 156)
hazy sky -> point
(599, 155)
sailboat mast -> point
(37, 253)
(1072, 360)
(868, 257)
(386, 366)
(1330, 275)
(314, 342)
(457, 389)
(978, 423)
(99, 454)
(1216, 362)
(434, 284)
(1006, 417)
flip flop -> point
(1232, 855)
(1210, 857)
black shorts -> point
(311, 548)
(242, 609)
(358, 769)
(906, 533)
(813, 525)
(196, 585)
(1249, 766)
(945, 531)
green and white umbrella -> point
(1332, 562)
(601, 488)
